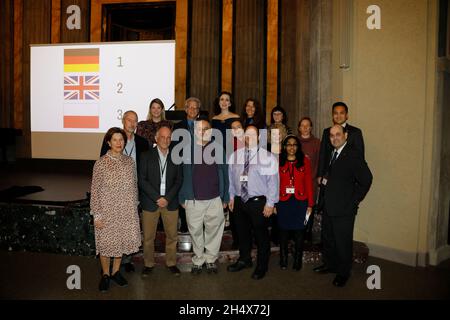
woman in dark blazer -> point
(296, 199)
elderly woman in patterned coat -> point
(114, 202)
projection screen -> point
(79, 91)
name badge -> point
(290, 190)
(243, 178)
(324, 181)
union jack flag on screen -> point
(81, 87)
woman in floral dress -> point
(114, 202)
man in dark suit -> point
(192, 107)
(159, 182)
(355, 138)
(134, 147)
(346, 182)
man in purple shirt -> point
(254, 190)
(204, 195)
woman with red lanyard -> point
(296, 199)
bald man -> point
(346, 182)
(159, 182)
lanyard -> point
(162, 168)
(131, 152)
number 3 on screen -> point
(119, 114)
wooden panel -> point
(97, 18)
(204, 58)
(71, 36)
(272, 57)
(36, 30)
(181, 28)
(6, 63)
(56, 21)
(320, 65)
(294, 59)
(227, 45)
(18, 45)
(249, 66)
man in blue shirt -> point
(254, 190)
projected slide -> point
(87, 88)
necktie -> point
(333, 159)
(244, 184)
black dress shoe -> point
(104, 283)
(340, 281)
(129, 267)
(258, 274)
(119, 279)
(146, 272)
(174, 270)
(322, 269)
(239, 265)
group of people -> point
(199, 169)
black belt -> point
(254, 199)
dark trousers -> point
(233, 229)
(337, 239)
(249, 216)
(298, 242)
(183, 223)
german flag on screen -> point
(81, 60)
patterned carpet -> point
(311, 254)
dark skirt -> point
(291, 214)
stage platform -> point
(57, 219)
(62, 181)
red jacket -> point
(302, 181)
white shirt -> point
(339, 150)
(130, 149)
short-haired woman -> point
(114, 202)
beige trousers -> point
(149, 225)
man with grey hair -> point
(192, 107)
(204, 195)
(134, 147)
(135, 143)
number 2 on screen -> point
(119, 87)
